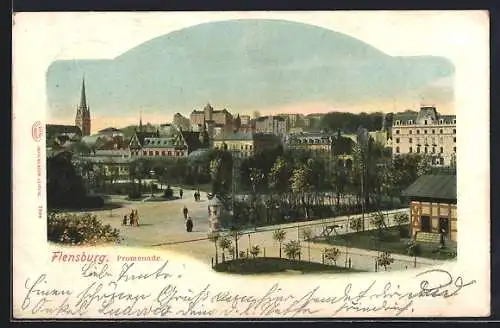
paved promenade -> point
(162, 226)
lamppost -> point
(152, 174)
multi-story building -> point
(245, 120)
(425, 132)
(199, 117)
(179, 145)
(271, 124)
(320, 142)
(246, 144)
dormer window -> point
(398, 122)
(454, 121)
(410, 121)
(441, 121)
(425, 122)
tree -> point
(236, 235)
(307, 235)
(332, 254)
(214, 237)
(301, 183)
(279, 236)
(256, 114)
(385, 260)
(292, 249)
(255, 250)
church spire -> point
(83, 96)
(140, 121)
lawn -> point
(261, 265)
(390, 242)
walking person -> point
(189, 224)
(131, 222)
(181, 193)
(136, 216)
(185, 212)
(124, 222)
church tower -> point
(82, 119)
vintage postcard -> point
(251, 165)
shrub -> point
(134, 194)
(81, 229)
(92, 202)
(332, 254)
(414, 249)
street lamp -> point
(152, 174)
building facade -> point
(319, 142)
(246, 144)
(147, 145)
(433, 206)
(426, 132)
(199, 117)
(271, 124)
(82, 119)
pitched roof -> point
(142, 135)
(437, 186)
(192, 139)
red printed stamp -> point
(37, 131)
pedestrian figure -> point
(209, 210)
(181, 193)
(185, 212)
(136, 218)
(189, 224)
(132, 218)
(195, 197)
(124, 222)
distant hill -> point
(240, 63)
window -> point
(425, 122)
(441, 121)
(410, 150)
(397, 122)
(144, 153)
(150, 153)
(169, 153)
(157, 153)
(162, 153)
(410, 131)
(410, 121)
(418, 149)
(418, 131)
(410, 140)
(425, 223)
(441, 150)
(454, 121)
(454, 149)
(441, 161)
(433, 131)
(454, 139)
(397, 140)
(425, 131)
(454, 131)
(441, 131)
(397, 131)
(425, 150)
(397, 150)
(433, 150)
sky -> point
(394, 34)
